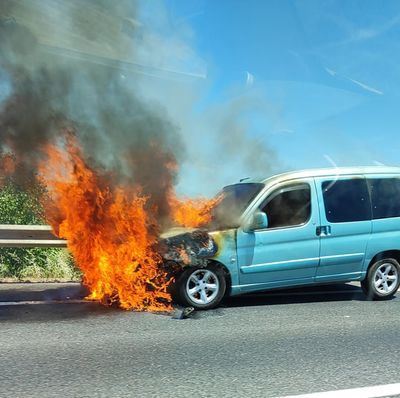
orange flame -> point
(7, 164)
(109, 232)
(193, 213)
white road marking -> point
(388, 390)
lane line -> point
(387, 390)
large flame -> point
(193, 213)
(109, 232)
(7, 164)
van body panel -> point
(254, 287)
(274, 256)
(385, 234)
(344, 253)
(321, 250)
(343, 248)
(227, 253)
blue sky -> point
(328, 73)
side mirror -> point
(259, 220)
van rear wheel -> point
(382, 280)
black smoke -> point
(52, 90)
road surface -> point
(269, 345)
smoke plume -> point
(81, 88)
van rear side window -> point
(385, 195)
(346, 200)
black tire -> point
(182, 284)
(368, 284)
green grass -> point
(37, 264)
(23, 206)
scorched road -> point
(301, 341)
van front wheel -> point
(382, 280)
(201, 288)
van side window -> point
(346, 200)
(385, 195)
(288, 206)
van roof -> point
(335, 171)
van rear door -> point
(345, 214)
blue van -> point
(294, 229)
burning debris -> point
(108, 159)
(193, 247)
(182, 313)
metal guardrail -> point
(29, 236)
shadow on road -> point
(55, 302)
(41, 291)
(334, 292)
(41, 302)
(52, 312)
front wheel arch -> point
(228, 278)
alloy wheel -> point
(385, 278)
(202, 286)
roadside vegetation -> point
(19, 206)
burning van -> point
(294, 229)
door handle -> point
(323, 230)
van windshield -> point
(235, 199)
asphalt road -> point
(291, 342)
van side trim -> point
(237, 289)
(341, 259)
(302, 263)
